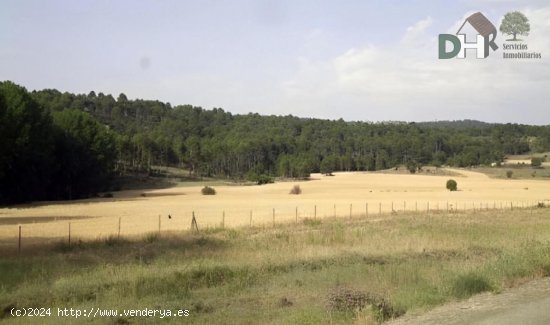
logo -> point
(514, 24)
(451, 46)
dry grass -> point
(322, 197)
(289, 274)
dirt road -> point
(526, 304)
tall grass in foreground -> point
(315, 272)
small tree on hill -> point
(509, 173)
(515, 23)
(452, 185)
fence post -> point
(428, 207)
(392, 206)
(223, 219)
(315, 212)
(19, 242)
(366, 210)
(380, 208)
(416, 206)
(194, 225)
(118, 235)
(159, 224)
(69, 234)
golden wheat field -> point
(343, 195)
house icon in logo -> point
(477, 32)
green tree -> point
(515, 23)
(86, 153)
(26, 146)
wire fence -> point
(18, 237)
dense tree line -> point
(62, 145)
(47, 155)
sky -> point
(357, 60)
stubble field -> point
(359, 195)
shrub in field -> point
(451, 185)
(296, 190)
(207, 190)
(536, 162)
(509, 173)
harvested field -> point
(323, 196)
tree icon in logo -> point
(515, 23)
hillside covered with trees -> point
(62, 146)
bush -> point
(536, 162)
(509, 173)
(259, 179)
(412, 166)
(452, 185)
(296, 190)
(207, 190)
(264, 179)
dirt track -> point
(526, 304)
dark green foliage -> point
(451, 185)
(27, 146)
(259, 179)
(216, 143)
(509, 173)
(68, 156)
(536, 162)
(85, 153)
(207, 190)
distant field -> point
(518, 172)
(322, 197)
(525, 160)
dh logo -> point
(486, 35)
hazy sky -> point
(357, 60)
